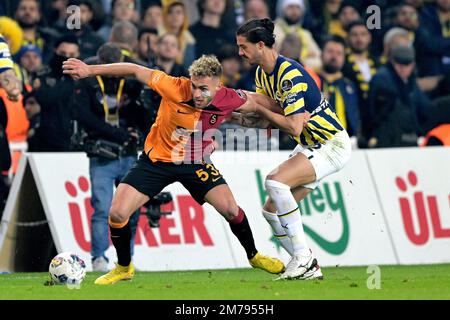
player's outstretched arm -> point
(77, 69)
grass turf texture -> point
(397, 282)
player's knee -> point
(272, 185)
(269, 206)
(228, 210)
(117, 214)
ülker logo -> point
(189, 220)
(82, 236)
(425, 208)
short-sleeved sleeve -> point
(231, 100)
(258, 84)
(171, 88)
(293, 87)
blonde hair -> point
(206, 66)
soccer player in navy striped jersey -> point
(323, 144)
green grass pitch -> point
(397, 282)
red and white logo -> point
(190, 216)
(77, 211)
(420, 211)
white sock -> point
(278, 231)
(289, 215)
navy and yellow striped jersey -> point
(6, 62)
(296, 91)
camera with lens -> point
(161, 205)
(81, 141)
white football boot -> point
(313, 274)
(298, 266)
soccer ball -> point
(67, 268)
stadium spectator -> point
(176, 21)
(256, 9)
(53, 91)
(348, 13)
(33, 111)
(290, 23)
(247, 80)
(121, 10)
(148, 46)
(435, 26)
(407, 17)
(397, 105)
(57, 15)
(339, 91)
(418, 4)
(28, 15)
(12, 34)
(167, 51)
(325, 18)
(110, 113)
(125, 35)
(8, 78)
(12, 113)
(10, 84)
(166, 59)
(231, 64)
(209, 33)
(393, 38)
(29, 58)
(360, 65)
(152, 17)
(290, 47)
(88, 39)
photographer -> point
(112, 117)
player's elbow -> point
(295, 129)
(142, 74)
(136, 70)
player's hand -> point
(251, 120)
(77, 69)
(306, 118)
(11, 84)
(133, 133)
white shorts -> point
(327, 158)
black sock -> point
(121, 238)
(241, 229)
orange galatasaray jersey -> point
(177, 134)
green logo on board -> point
(322, 200)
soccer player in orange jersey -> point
(175, 151)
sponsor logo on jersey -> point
(287, 85)
(213, 119)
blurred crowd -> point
(385, 69)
